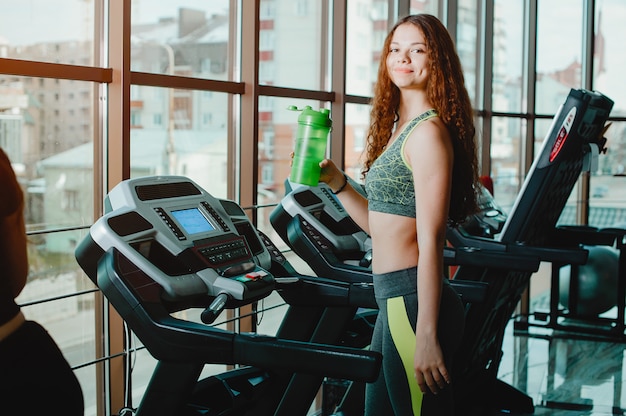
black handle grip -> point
(210, 314)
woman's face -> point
(407, 59)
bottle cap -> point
(310, 116)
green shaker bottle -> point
(310, 147)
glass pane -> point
(184, 37)
(542, 128)
(610, 60)
(87, 379)
(559, 52)
(59, 31)
(46, 130)
(467, 32)
(505, 160)
(366, 31)
(292, 50)
(272, 310)
(357, 124)
(425, 6)
(607, 189)
(507, 56)
(180, 132)
(143, 367)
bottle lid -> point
(310, 116)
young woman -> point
(420, 170)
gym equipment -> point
(569, 311)
(573, 142)
(166, 245)
(597, 281)
(490, 218)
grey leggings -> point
(396, 392)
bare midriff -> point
(394, 242)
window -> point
(71, 200)
(301, 7)
(267, 144)
(365, 36)
(295, 37)
(33, 32)
(606, 187)
(186, 37)
(357, 123)
(558, 62)
(135, 118)
(267, 174)
(508, 57)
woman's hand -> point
(429, 366)
(331, 174)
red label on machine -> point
(562, 134)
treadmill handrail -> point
(568, 255)
(173, 339)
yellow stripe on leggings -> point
(403, 337)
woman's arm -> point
(430, 154)
(354, 202)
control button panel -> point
(315, 236)
(224, 252)
(214, 215)
(172, 226)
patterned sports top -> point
(389, 182)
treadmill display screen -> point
(192, 221)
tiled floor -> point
(564, 374)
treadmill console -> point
(184, 239)
(318, 206)
(312, 221)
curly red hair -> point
(448, 95)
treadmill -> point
(572, 144)
(166, 245)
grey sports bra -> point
(389, 182)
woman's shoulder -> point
(428, 143)
(430, 131)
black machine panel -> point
(572, 144)
(312, 221)
(189, 242)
